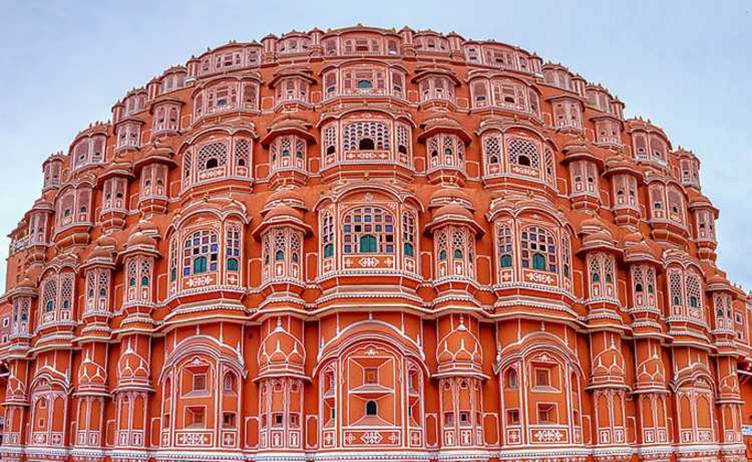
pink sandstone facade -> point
(371, 245)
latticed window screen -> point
(550, 167)
(327, 234)
(566, 256)
(675, 288)
(200, 253)
(492, 153)
(722, 304)
(505, 246)
(187, 167)
(66, 291)
(212, 155)
(538, 249)
(693, 295)
(368, 230)
(442, 251)
(232, 247)
(250, 96)
(643, 285)
(403, 138)
(242, 152)
(408, 234)
(523, 152)
(640, 146)
(330, 143)
(49, 294)
(657, 148)
(676, 206)
(356, 134)
(173, 259)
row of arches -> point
(372, 382)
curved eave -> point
(445, 128)
(282, 221)
(275, 132)
(454, 219)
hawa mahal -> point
(371, 245)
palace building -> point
(372, 245)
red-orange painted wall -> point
(364, 244)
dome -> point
(640, 251)
(445, 196)
(453, 210)
(287, 195)
(459, 351)
(139, 239)
(283, 212)
(281, 351)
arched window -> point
(512, 378)
(232, 264)
(538, 249)
(368, 230)
(372, 408)
(200, 253)
(365, 84)
(228, 384)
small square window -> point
(195, 417)
(278, 420)
(513, 417)
(371, 375)
(228, 420)
(542, 377)
(546, 413)
(199, 382)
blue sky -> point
(685, 65)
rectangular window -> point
(199, 382)
(546, 413)
(542, 377)
(371, 376)
(513, 417)
(228, 420)
(278, 420)
(195, 417)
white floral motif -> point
(548, 435)
(538, 277)
(371, 437)
(368, 262)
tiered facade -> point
(368, 244)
